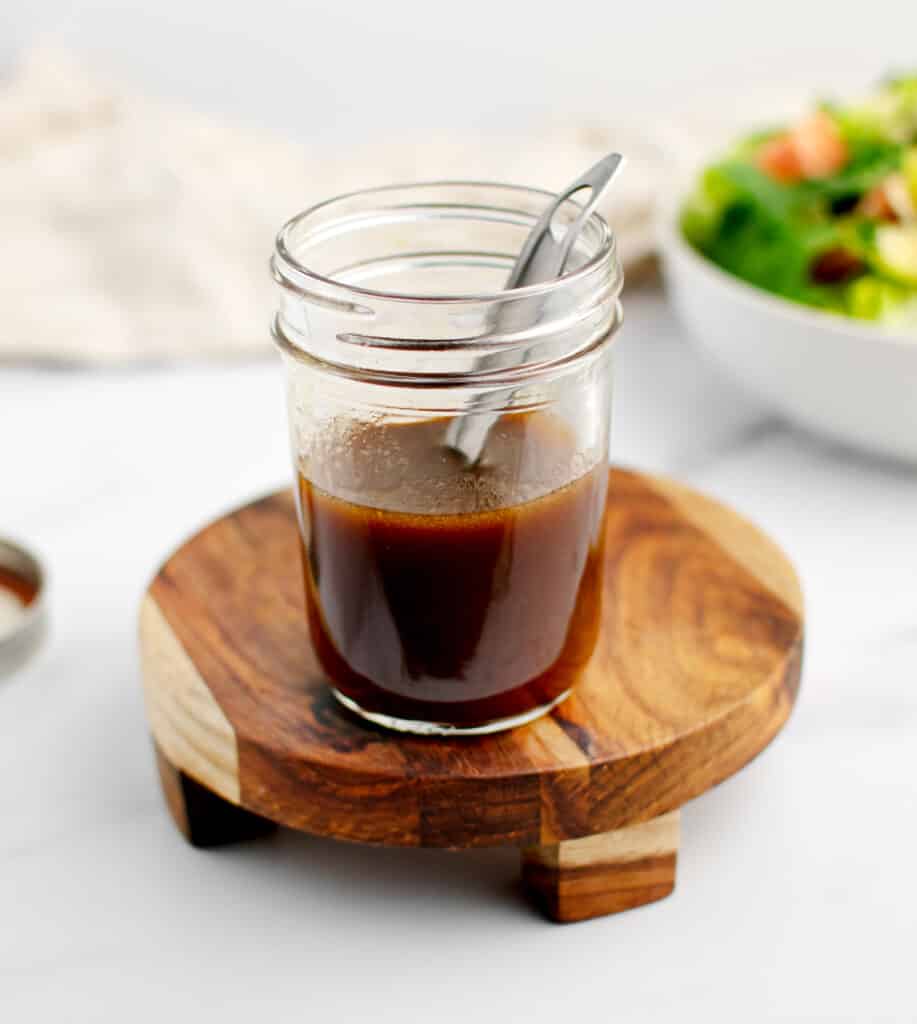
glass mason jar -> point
(450, 443)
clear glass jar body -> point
(446, 593)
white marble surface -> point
(797, 892)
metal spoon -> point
(543, 258)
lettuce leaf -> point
(763, 231)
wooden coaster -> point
(696, 670)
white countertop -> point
(797, 887)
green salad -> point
(824, 211)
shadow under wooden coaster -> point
(696, 670)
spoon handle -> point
(543, 257)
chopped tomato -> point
(813, 149)
(779, 159)
(819, 145)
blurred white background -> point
(321, 71)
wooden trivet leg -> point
(602, 874)
(204, 818)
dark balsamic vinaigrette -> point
(486, 609)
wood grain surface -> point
(696, 670)
(204, 818)
(603, 874)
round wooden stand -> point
(696, 670)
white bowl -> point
(851, 380)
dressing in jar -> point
(445, 593)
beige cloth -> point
(133, 230)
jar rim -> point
(286, 266)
